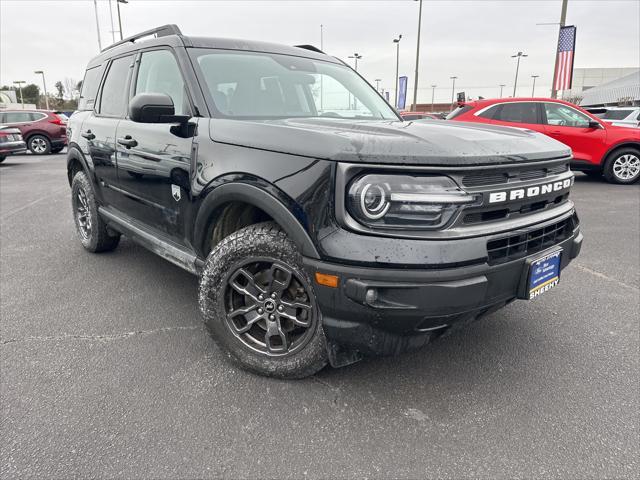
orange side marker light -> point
(327, 280)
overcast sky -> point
(473, 40)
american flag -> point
(566, 49)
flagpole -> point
(563, 19)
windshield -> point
(254, 85)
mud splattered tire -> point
(91, 229)
(259, 306)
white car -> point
(620, 116)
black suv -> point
(323, 227)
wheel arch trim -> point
(259, 198)
(623, 144)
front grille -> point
(517, 246)
(493, 177)
(503, 213)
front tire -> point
(623, 166)
(259, 306)
(90, 227)
(39, 145)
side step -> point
(141, 234)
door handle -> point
(88, 135)
(127, 141)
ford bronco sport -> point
(323, 227)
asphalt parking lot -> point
(106, 370)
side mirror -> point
(594, 124)
(154, 108)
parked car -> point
(420, 115)
(598, 147)
(618, 116)
(44, 131)
(11, 142)
(320, 232)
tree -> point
(31, 93)
(60, 93)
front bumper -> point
(384, 311)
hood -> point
(390, 142)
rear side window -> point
(412, 117)
(520, 112)
(90, 88)
(114, 95)
(17, 117)
(616, 114)
(159, 73)
(458, 111)
(489, 112)
(35, 116)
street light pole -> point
(321, 76)
(118, 2)
(415, 85)
(433, 93)
(19, 83)
(518, 55)
(44, 84)
(356, 57)
(397, 42)
(113, 32)
(563, 19)
(95, 7)
(378, 80)
(502, 85)
(533, 90)
(453, 89)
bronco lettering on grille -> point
(530, 192)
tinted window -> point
(34, 116)
(17, 117)
(520, 112)
(159, 73)
(90, 86)
(562, 115)
(489, 112)
(114, 94)
(616, 114)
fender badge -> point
(175, 192)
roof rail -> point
(310, 47)
(162, 31)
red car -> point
(44, 131)
(598, 147)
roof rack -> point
(162, 31)
(310, 47)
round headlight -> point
(374, 201)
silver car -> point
(621, 116)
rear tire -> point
(623, 166)
(259, 306)
(2, 158)
(90, 227)
(39, 145)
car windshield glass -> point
(262, 85)
(616, 114)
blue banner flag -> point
(402, 93)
